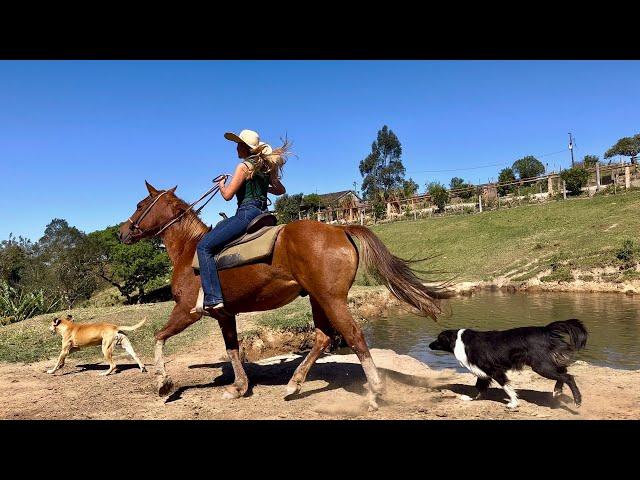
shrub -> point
(626, 253)
(575, 178)
(379, 209)
(439, 195)
(16, 304)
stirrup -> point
(196, 312)
(206, 311)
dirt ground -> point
(334, 390)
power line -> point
(482, 166)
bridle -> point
(210, 193)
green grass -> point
(31, 340)
(560, 275)
(478, 247)
(295, 317)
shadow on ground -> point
(347, 376)
(88, 367)
(542, 399)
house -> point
(343, 206)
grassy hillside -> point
(576, 233)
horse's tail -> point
(395, 273)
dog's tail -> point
(131, 328)
(576, 331)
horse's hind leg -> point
(229, 333)
(322, 341)
(337, 311)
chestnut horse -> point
(309, 257)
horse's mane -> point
(192, 226)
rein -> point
(209, 193)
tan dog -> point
(74, 336)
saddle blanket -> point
(249, 248)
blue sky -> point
(78, 138)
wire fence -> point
(479, 197)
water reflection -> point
(613, 322)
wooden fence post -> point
(564, 189)
(597, 176)
(480, 202)
(627, 177)
(549, 185)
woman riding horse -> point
(258, 174)
(309, 258)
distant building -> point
(343, 206)
(489, 193)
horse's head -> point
(152, 213)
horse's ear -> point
(173, 190)
(152, 190)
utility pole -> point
(571, 148)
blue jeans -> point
(214, 241)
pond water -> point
(612, 320)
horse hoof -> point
(373, 407)
(292, 389)
(512, 406)
(465, 398)
(230, 394)
(164, 387)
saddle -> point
(254, 245)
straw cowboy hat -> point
(251, 139)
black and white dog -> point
(489, 355)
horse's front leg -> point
(164, 382)
(178, 321)
(229, 333)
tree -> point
(589, 161)
(63, 251)
(528, 167)
(59, 236)
(288, 207)
(626, 146)
(458, 183)
(506, 176)
(439, 195)
(409, 188)
(575, 178)
(382, 170)
(455, 183)
(15, 255)
(312, 201)
(129, 268)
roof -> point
(331, 199)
